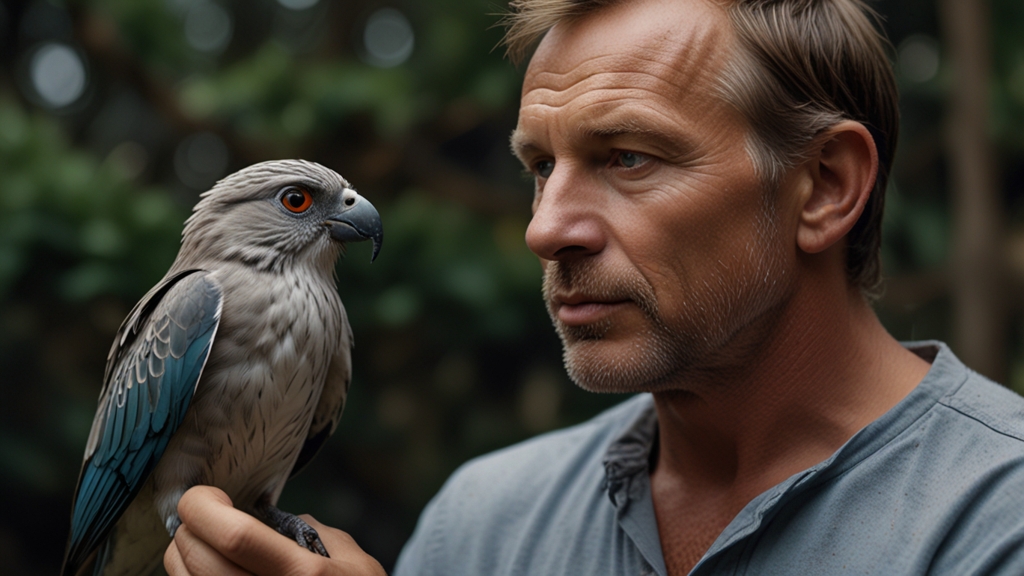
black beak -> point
(355, 221)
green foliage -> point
(61, 201)
(455, 353)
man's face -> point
(659, 245)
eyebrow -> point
(521, 144)
(671, 145)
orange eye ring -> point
(296, 200)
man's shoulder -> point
(933, 486)
(994, 407)
(539, 496)
(955, 406)
(550, 457)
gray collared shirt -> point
(934, 486)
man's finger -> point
(173, 563)
(200, 559)
(239, 537)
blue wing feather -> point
(143, 403)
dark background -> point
(116, 114)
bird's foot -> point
(292, 526)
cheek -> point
(705, 217)
(699, 235)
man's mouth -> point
(580, 310)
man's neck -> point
(787, 405)
(824, 371)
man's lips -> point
(581, 310)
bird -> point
(232, 371)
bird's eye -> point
(296, 200)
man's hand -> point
(216, 539)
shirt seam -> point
(843, 467)
(979, 420)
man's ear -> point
(842, 175)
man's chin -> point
(602, 364)
(583, 333)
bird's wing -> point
(332, 400)
(152, 371)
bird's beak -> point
(356, 220)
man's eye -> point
(544, 168)
(630, 159)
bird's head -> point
(273, 215)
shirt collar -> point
(627, 460)
(630, 454)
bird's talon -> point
(308, 538)
(293, 527)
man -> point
(709, 183)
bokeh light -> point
(129, 159)
(388, 38)
(208, 27)
(57, 74)
(918, 58)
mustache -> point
(598, 281)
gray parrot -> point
(232, 371)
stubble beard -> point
(667, 349)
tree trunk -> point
(979, 319)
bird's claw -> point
(296, 528)
(308, 538)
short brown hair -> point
(803, 66)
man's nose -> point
(566, 220)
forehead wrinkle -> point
(651, 69)
(635, 113)
(637, 78)
(600, 84)
(629, 115)
(687, 45)
(627, 71)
